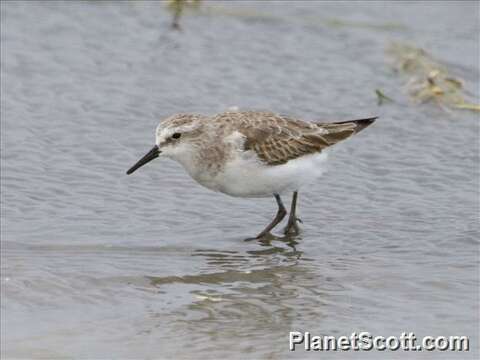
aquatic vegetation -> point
(381, 97)
(250, 13)
(334, 22)
(429, 81)
(177, 7)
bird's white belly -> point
(247, 177)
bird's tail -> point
(360, 124)
(342, 130)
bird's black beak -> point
(152, 154)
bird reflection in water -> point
(237, 293)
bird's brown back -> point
(277, 139)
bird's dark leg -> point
(279, 217)
(292, 226)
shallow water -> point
(96, 264)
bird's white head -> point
(176, 138)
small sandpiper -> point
(250, 154)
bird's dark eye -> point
(176, 135)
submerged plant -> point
(177, 7)
(429, 81)
(381, 97)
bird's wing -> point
(277, 139)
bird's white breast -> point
(248, 177)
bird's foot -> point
(292, 227)
(261, 236)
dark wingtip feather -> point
(361, 123)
